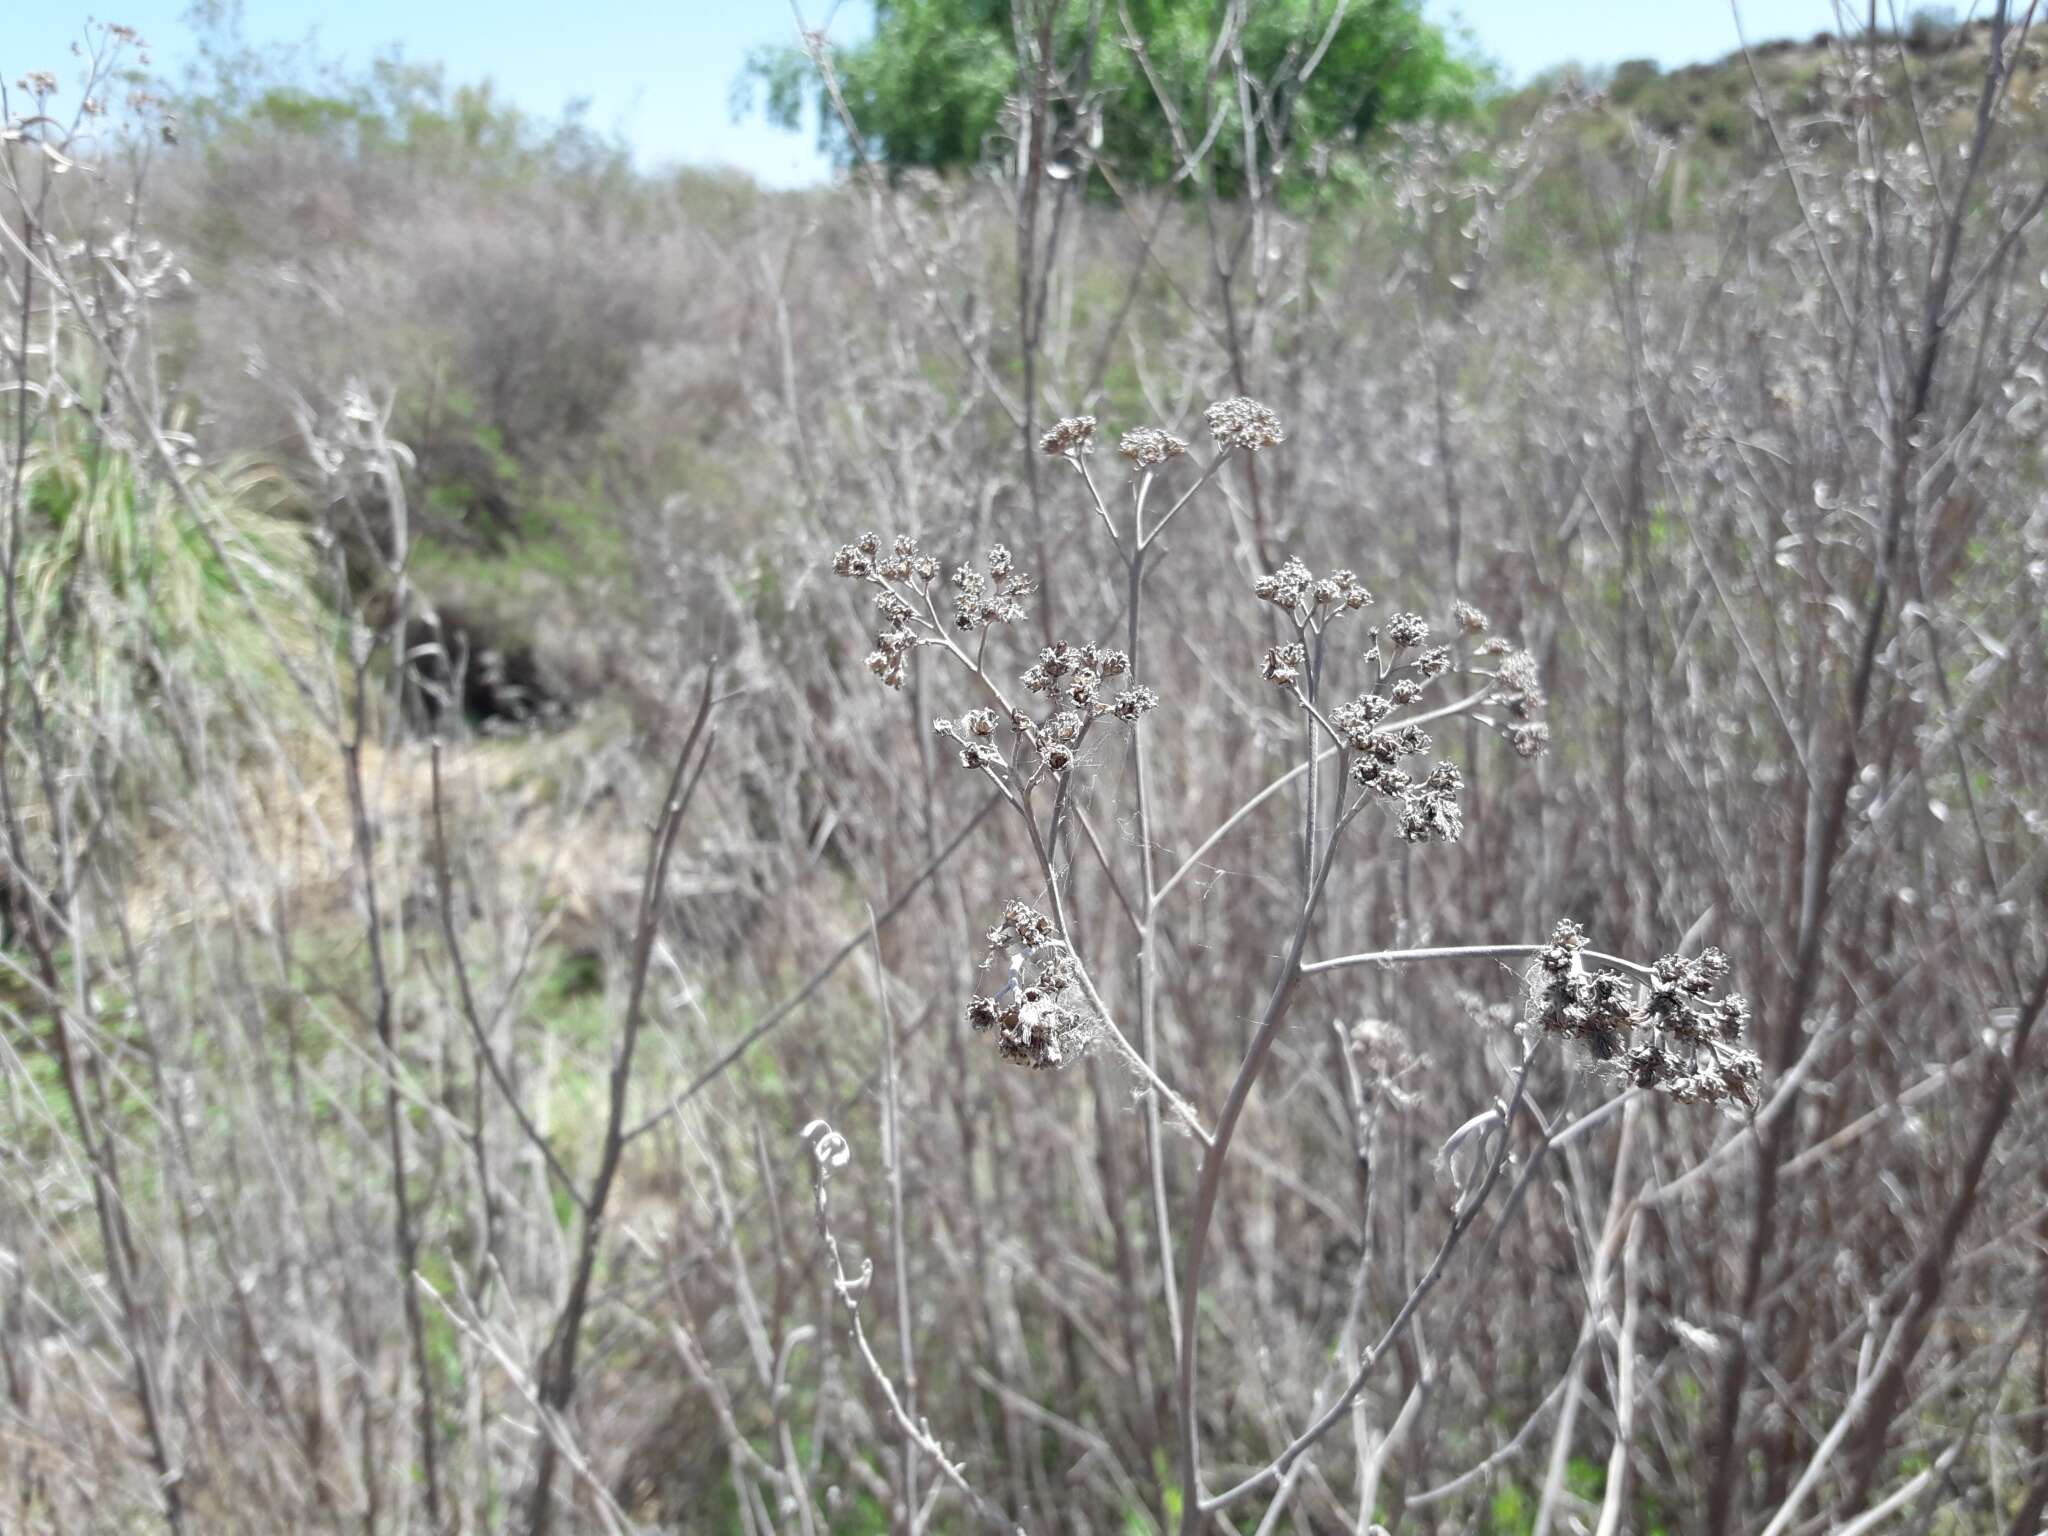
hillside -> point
(1934, 64)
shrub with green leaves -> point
(930, 87)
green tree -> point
(932, 85)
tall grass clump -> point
(123, 591)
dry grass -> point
(434, 1134)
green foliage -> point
(1586, 1479)
(124, 592)
(1512, 1512)
(930, 87)
(1170, 1496)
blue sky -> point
(662, 76)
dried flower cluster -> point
(1242, 423)
(1056, 738)
(1075, 672)
(1405, 631)
(1038, 1018)
(980, 601)
(1671, 1036)
(1149, 447)
(1283, 664)
(1517, 690)
(1070, 436)
(1309, 602)
(901, 574)
(863, 560)
(1404, 665)
(1075, 679)
(975, 732)
(1428, 809)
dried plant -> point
(421, 1118)
(1671, 1038)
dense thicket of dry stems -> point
(626, 1128)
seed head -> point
(1149, 447)
(982, 601)
(1429, 816)
(892, 648)
(1380, 754)
(1284, 663)
(903, 562)
(1133, 704)
(1407, 629)
(1242, 423)
(1286, 587)
(1075, 677)
(1670, 1037)
(974, 731)
(1021, 926)
(857, 560)
(1037, 1020)
(1307, 599)
(1518, 689)
(1070, 437)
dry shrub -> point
(315, 1173)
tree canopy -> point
(932, 85)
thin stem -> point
(781, 1011)
(848, 1289)
(1231, 823)
(1463, 952)
(1182, 1109)
(1236, 817)
(558, 1365)
(1210, 1188)
(1147, 536)
(1147, 959)
(894, 1133)
(444, 878)
(1461, 1223)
